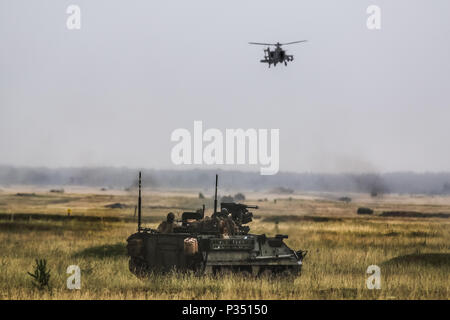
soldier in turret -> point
(225, 223)
(167, 226)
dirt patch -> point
(414, 214)
(57, 228)
(19, 227)
(434, 259)
(167, 207)
(294, 218)
(58, 217)
(104, 251)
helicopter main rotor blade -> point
(293, 42)
(263, 44)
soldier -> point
(167, 226)
(226, 224)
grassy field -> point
(413, 253)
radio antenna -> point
(139, 204)
(215, 196)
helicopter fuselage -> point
(276, 56)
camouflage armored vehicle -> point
(208, 245)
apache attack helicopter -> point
(278, 55)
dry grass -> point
(413, 253)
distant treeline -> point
(123, 178)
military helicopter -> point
(278, 55)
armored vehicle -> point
(207, 245)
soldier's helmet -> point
(170, 217)
(224, 213)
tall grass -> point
(413, 256)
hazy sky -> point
(112, 93)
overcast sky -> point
(111, 93)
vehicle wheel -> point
(245, 274)
(137, 267)
(266, 273)
(289, 273)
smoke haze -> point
(111, 94)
